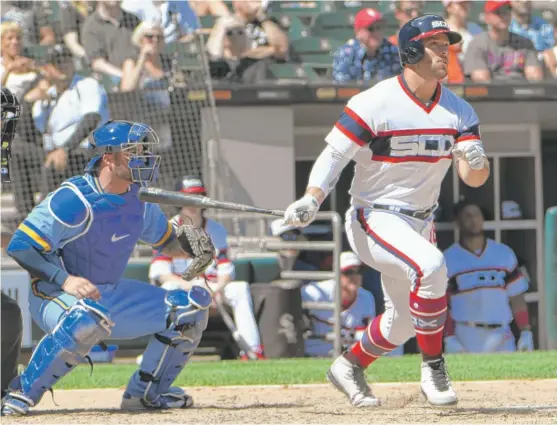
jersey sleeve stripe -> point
(349, 134)
(32, 232)
(472, 133)
(418, 132)
(358, 120)
(166, 236)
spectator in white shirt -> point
(76, 106)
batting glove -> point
(473, 153)
(304, 208)
(526, 341)
(453, 345)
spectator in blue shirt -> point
(537, 30)
(368, 56)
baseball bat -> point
(179, 199)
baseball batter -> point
(76, 244)
(486, 289)
(220, 274)
(402, 134)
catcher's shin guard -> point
(80, 328)
(169, 351)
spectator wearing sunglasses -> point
(499, 55)
(537, 29)
(368, 56)
(404, 11)
(227, 48)
(358, 307)
(291, 259)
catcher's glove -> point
(198, 245)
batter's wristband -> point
(522, 319)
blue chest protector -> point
(114, 224)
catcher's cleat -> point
(349, 379)
(15, 404)
(436, 385)
(176, 398)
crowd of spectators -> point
(126, 44)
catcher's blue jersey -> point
(90, 233)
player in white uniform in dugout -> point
(403, 134)
(166, 271)
(486, 288)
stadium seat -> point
(307, 9)
(340, 34)
(296, 28)
(315, 45)
(293, 71)
(138, 271)
(207, 21)
(265, 269)
(339, 20)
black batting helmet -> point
(10, 114)
(410, 46)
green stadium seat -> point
(315, 45)
(296, 28)
(357, 5)
(322, 60)
(138, 271)
(339, 34)
(343, 20)
(244, 269)
(265, 269)
(301, 8)
(433, 8)
(207, 21)
(293, 71)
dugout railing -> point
(550, 263)
(262, 243)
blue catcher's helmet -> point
(137, 140)
(410, 46)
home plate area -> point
(500, 402)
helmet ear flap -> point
(415, 52)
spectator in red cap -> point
(498, 54)
(404, 11)
(368, 56)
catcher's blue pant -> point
(135, 307)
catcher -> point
(75, 245)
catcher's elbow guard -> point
(195, 242)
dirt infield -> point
(525, 402)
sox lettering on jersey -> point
(422, 145)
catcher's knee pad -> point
(79, 329)
(169, 351)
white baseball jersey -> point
(355, 318)
(481, 284)
(164, 265)
(403, 148)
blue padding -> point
(79, 329)
(67, 207)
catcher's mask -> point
(11, 110)
(137, 140)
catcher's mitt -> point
(198, 245)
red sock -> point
(429, 317)
(372, 345)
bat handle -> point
(303, 216)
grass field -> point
(536, 365)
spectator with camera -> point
(486, 290)
(368, 56)
(75, 106)
(267, 40)
(537, 30)
(499, 55)
(227, 48)
(106, 36)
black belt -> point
(420, 214)
(481, 325)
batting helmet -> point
(191, 184)
(410, 46)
